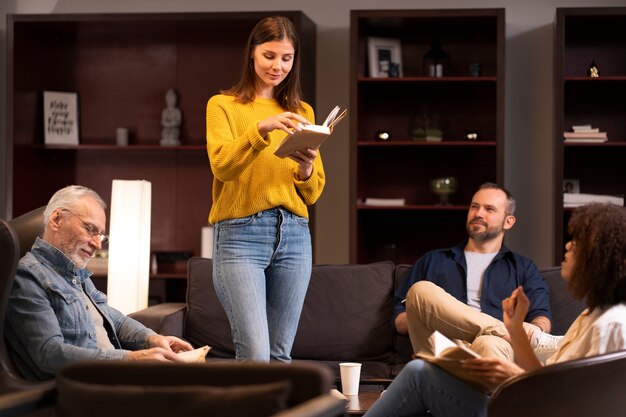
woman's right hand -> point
(287, 122)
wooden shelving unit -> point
(584, 35)
(402, 167)
(121, 65)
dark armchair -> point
(219, 389)
(17, 396)
(581, 388)
(16, 237)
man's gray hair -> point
(68, 198)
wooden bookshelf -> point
(584, 35)
(121, 65)
(402, 167)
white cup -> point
(121, 136)
(350, 377)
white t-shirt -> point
(477, 263)
(601, 331)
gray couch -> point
(346, 316)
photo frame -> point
(385, 57)
(571, 186)
(60, 112)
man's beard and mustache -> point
(487, 234)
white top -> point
(601, 331)
(477, 263)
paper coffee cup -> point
(350, 377)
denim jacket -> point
(48, 323)
(448, 269)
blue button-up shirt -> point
(448, 269)
(48, 323)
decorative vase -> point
(444, 187)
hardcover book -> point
(450, 355)
(311, 136)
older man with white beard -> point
(458, 291)
(55, 314)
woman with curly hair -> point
(595, 269)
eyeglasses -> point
(91, 229)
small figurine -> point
(171, 118)
(593, 70)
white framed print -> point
(60, 112)
(571, 186)
(385, 57)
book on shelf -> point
(585, 140)
(585, 135)
(585, 129)
(385, 202)
(581, 136)
(580, 199)
(450, 355)
(311, 136)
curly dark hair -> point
(599, 234)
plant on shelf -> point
(427, 124)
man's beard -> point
(486, 235)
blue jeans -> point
(422, 387)
(261, 271)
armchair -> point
(17, 396)
(584, 387)
(233, 389)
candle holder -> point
(435, 61)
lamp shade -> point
(129, 245)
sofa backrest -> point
(345, 315)
(564, 308)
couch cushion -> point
(206, 322)
(346, 314)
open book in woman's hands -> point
(311, 136)
(449, 356)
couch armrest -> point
(321, 406)
(166, 319)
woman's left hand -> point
(304, 159)
(493, 370)
(515, 309)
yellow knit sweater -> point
(247, 176)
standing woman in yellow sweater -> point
(262, 246)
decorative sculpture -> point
(171, 118)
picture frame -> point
(571, 186)
(60, 112)
(384, 57)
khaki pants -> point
(430, 308)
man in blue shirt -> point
(459, 291)
(55, 314)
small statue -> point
(171, 118)
(593, 70)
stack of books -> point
(585, 134)
(385, 202)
